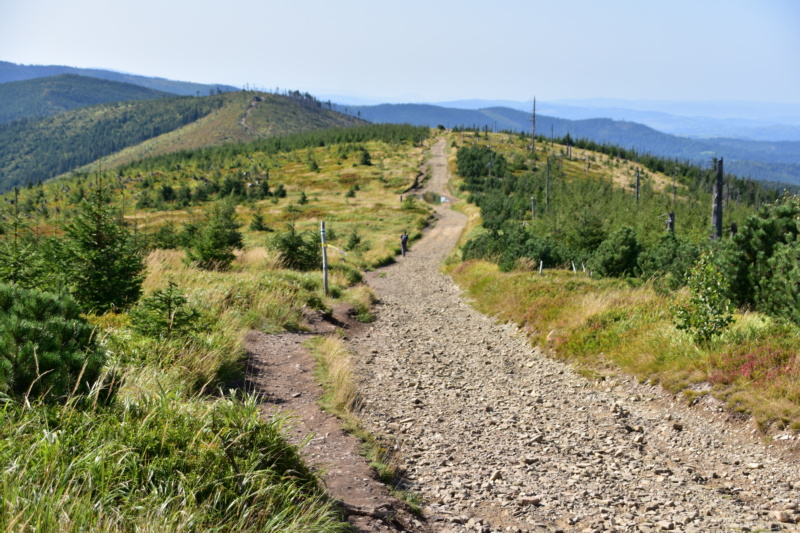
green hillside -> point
(167, 435)
(14, 72)
(43, 97)
(569, 248)
(37, 150)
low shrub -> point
(46, 347)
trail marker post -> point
(324, 257)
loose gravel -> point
(496, 436)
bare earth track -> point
(496, 436)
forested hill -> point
(43, 97)
(766, 161)
(13, 72)
(36, 150)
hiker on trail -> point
(403, 243)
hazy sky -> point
(429, 50)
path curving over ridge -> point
(495, 435)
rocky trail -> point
(496, 436)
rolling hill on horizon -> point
(760, 160)
(13, 72)
(43, 97)
(118, 133)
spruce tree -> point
(213, 245)
(105, 268)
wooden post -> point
(533, 208)
(533, 128)
(638, 183)
(674, 183)
(324, 257)
(547, 190)
(716, 207)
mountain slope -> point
(42, 97)
(13, 72)
(768, 161)
(37, 150)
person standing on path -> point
(403, 243)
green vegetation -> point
(630, 309)
(43, 97)
(37, 150)
(152, 434)
(46, 347)
(216, 237)
(154, 462)
(104, 268)
(32, 151)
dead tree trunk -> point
(716, 208)
(638, 186)
(533, 128)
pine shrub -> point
(164, 312)
(46, 346)
(617, 256)
(299, 250)
(104, 265)
(216, 238)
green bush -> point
(104, 266)
(46, 346)
(708, 312)
(669, 260)
(781, 290)
(257, 223)
(299, 250)
(617, 256)
(164, 312)
(353, 241)
(216, 238)
(746, 259)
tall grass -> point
(607, 325)
(160, 462)
(334, 370)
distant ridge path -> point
(498, 437)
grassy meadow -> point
(615, 325)
(177, 445)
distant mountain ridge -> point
(766, 161)
(43, 97)
(119, 133)
(743, 120)
(14, 72)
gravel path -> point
(498, 437)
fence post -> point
(324, 258)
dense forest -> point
(42, 97)
(36, 150)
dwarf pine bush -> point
(46, 347)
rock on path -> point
(496, 436)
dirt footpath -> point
(497, 437)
